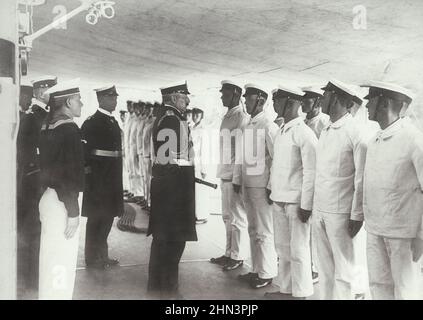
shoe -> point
(360, 296)
(111, 262)
(221, 260)
(232, 264)
(131, 200)
(248, 277)
(258, 282)
(315, 277)
(277, 295)
(201, 221)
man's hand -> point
(237, 187)
(268, 192)
(304, 215)
(417, 248)
(354, 227)
(203, 175)
(71, 227)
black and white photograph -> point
(239, 152)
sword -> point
(206, 183)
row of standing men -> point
(335, 187)
(321, 177)
(139, 152)
(56, 162)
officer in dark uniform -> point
(172, 218)
(103, 194)
(28, 180)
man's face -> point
(307, 104)
(122, 116)
(372, 108)
(156, 111)
(279, 105)
(181, 101)
(75, 105)
(130, 108)
(250, 102)
(196, 117)
(147, 110)
(227, 97)
(137, 110)
(109, 103)
(39, 94)
(327, 95)
(25, 100)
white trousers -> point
(131, 161)
(260, 230)
(392, 272)
(336, 259)
(146, 167)
(125, 173)
(292, 241)
(235, 220)
(58, 256)
(137, 175)
(361, 280)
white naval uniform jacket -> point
(234, 120)
(393, 182)
(128, 132)
(199, 141)
(340, 159)
(132, 136)
(294, 163)
(139, 134)
(147, 137)
(253, 170)
(317, 123)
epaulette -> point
(168, 113)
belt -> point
(178, 162)
(106, 153)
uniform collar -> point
(258, 117)
(230, 112)
(312, 119)
(174, 109)
(107, 113)
(280, 121)
(340, 122)
(198, 126)
(39, 103)
(290, 124)
(390, 130)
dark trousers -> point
(28, 232)
(97, 231)
(163, 267)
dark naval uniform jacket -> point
(172, 216)
(28, 144)
(103, 193)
